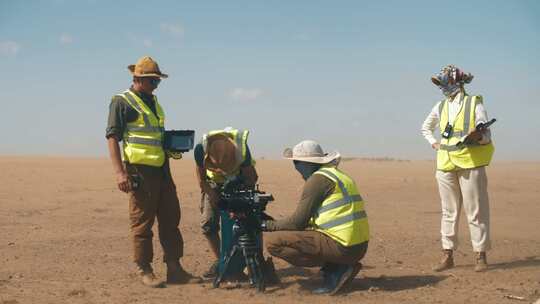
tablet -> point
(179, 140)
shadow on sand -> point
(384, 283)
(395, 283)
(305, 272)
(295, 271)
(531, 261)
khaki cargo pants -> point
(155, 198)
(311, 248)
(209, 216)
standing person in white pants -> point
(462, 154)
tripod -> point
(245, 243)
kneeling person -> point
(329, 227)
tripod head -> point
(244, 201)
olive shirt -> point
(121, 113)
(316, 189)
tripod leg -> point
(222, 273)
(254, 269)
(261, 284)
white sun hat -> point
(310, 151)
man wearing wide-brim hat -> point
(137, 119)
(329, 227)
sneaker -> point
(355, 271)
(337, 276)
(148, 278)
(447, 261)
(212, 272)
(348, 274)
(481, 262)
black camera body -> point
(247, 202)
(250, 201)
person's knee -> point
(273, 243)
(168, 222)
(142, 233)
(141, 228)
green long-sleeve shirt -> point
(316, 189)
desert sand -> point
(64, 237)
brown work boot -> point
(177, 275)
(447, 261)
(481, 262)
(147, 276)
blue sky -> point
(353, 75)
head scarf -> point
(450, 79)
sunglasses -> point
(154, 81)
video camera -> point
(238, 198)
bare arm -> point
(121, 174)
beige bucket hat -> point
(310, 151)
(146, 67)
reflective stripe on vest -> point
(453, 154)
(343, 220)
(240, 139)
(143, 138)
(341, 215)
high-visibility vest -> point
(143, 138)
(239, 137)
(453, 155)
(341, 215)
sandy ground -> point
(64, 237)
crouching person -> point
(329, 228)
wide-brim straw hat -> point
(221, 154)
(146, 67)
(310, 151)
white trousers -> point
(467, 188)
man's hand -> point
(436, 146)
(173, 155)
(475, 135)
(122, 180)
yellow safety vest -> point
(143, 138)
(454, 155)
(341, 215)
(240, 139)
